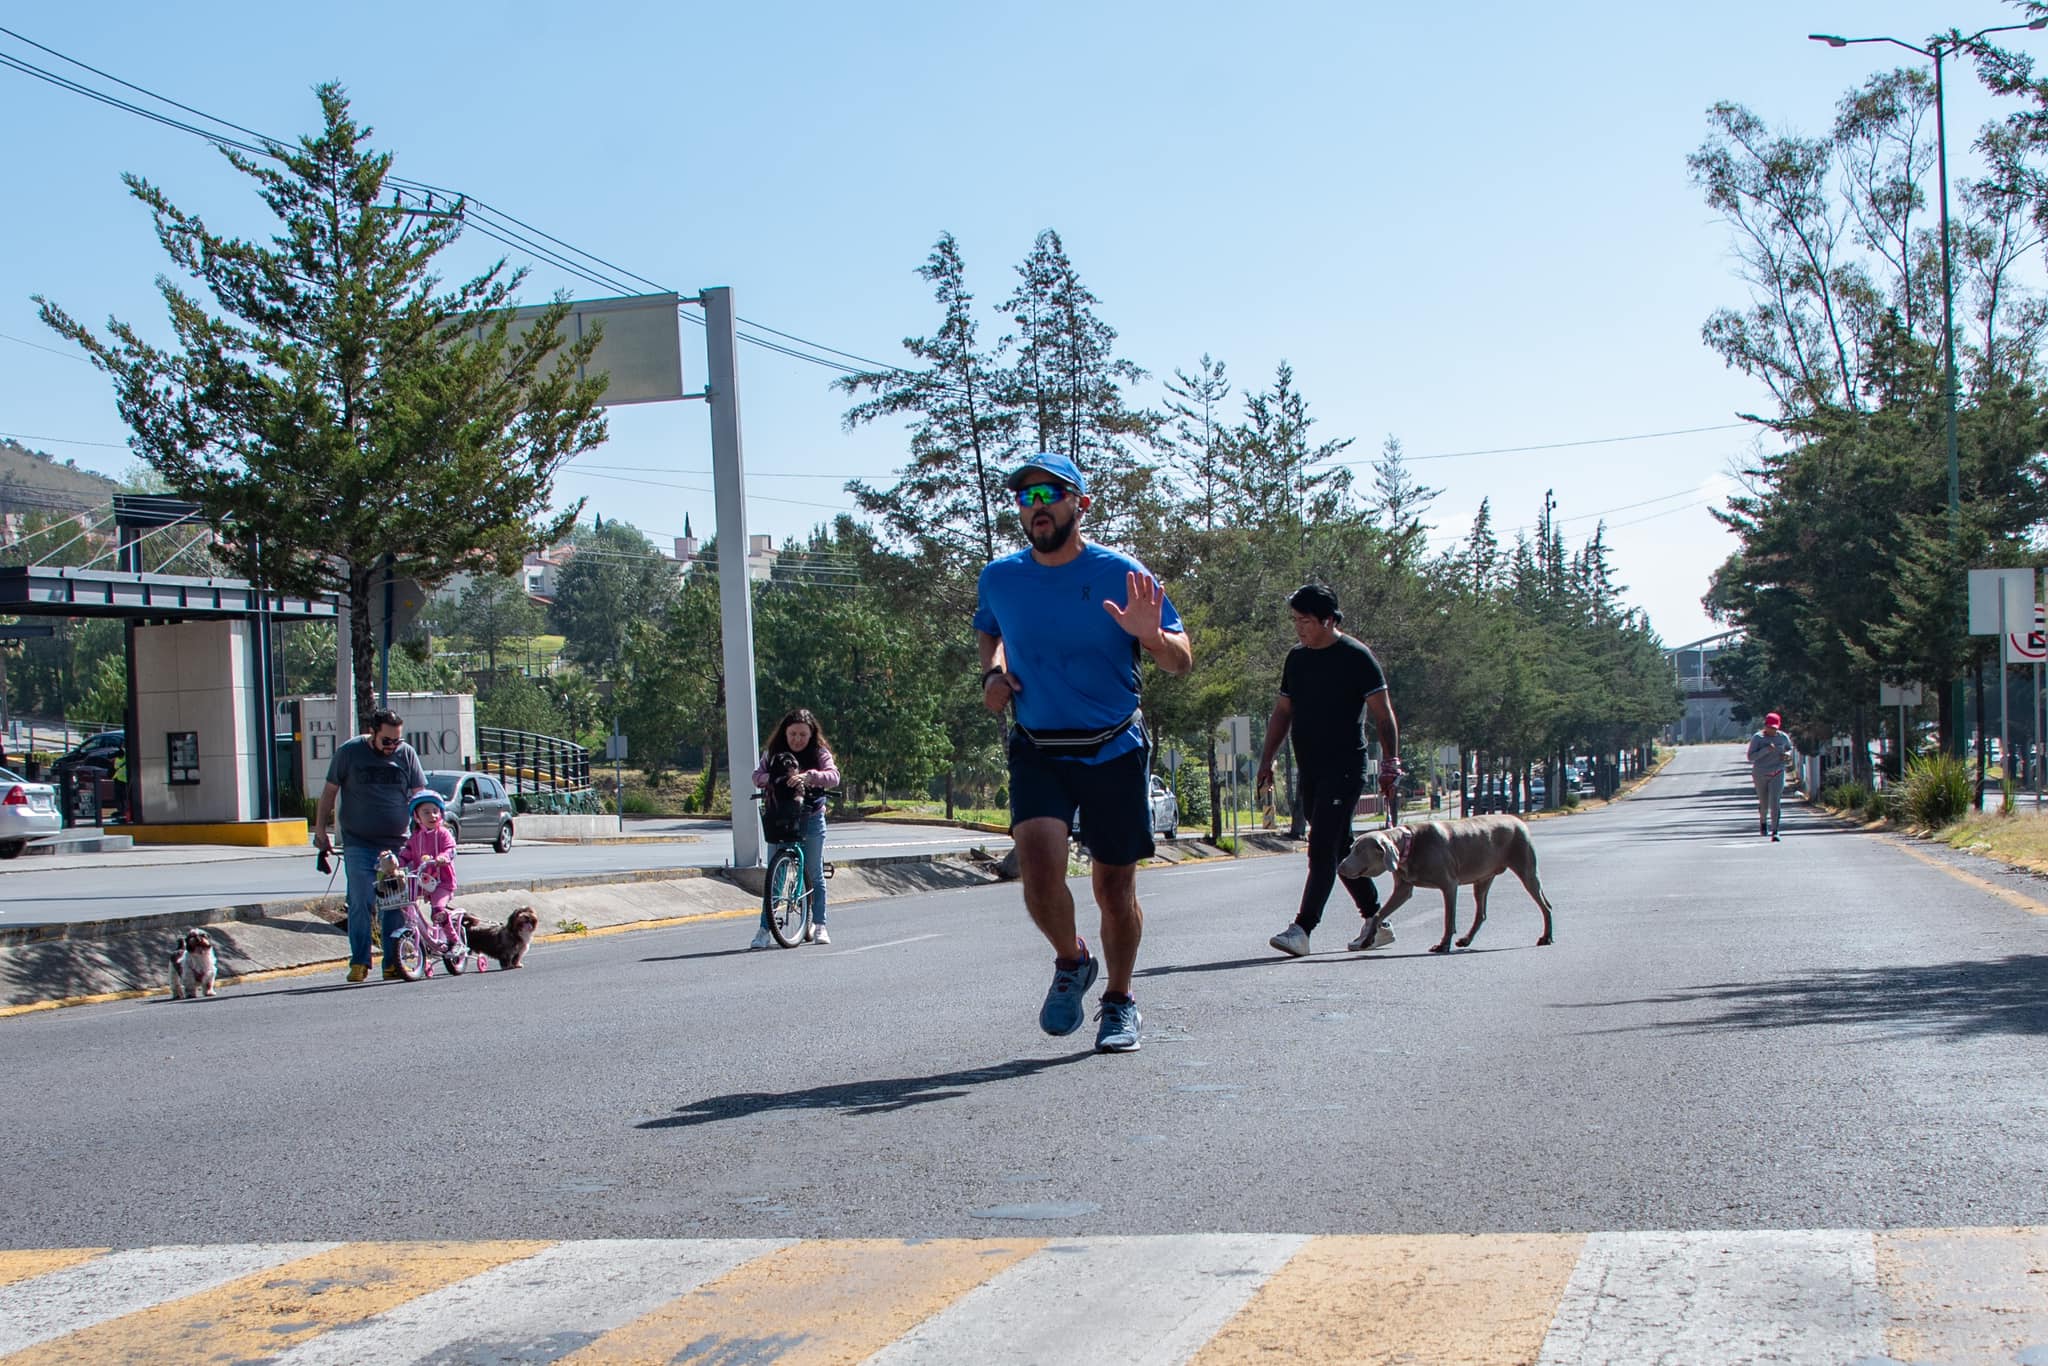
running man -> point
(1062, 625)
(1328, 686)
(1771, 756)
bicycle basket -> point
(782, 816)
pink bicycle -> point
(419, 941)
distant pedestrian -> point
(1062, 626)
(1330, 683)
(374, 776)
(1771, 757)
(801, 737)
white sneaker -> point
(1379, 941)
(762, 939)
(818, 935)
(1293, 939)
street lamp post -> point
(1938, 49)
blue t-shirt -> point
(1077, 667)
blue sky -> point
(1469, 233)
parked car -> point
(479, 811)
(1165, 808)
(27, 810)
(94, 758)
(1163, 805)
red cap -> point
(1773, 719)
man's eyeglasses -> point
(390, 741)
(1040, 495)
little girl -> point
(430, 852)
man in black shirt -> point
(1328, 685)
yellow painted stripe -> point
(256, 1317)
(1452, 1300)
(31, 1262)
(2005, 894)
(1978, 1294)
(815, 1303)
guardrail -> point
(543, 773)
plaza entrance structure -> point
(202, 763)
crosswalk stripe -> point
(1141, 1301)
(1762, 1295)
(811, 1304)
(257, 1316)
(1473, 1300)
(91, 1292)
(537, 1309)
(1966, 1294)
(1843, 1297)
(20, 1266)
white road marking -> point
(1144, 1301)
(537, 1308)
(886, 944)
(47, 1307)
(1764, 1295)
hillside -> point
(30, 480)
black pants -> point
(1329, 799)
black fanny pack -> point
(1072, 744)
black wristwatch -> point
(987, 674)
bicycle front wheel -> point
(788, 909)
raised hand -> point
(1143, 598)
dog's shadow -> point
(879, 1097)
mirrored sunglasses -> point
(1040, 495)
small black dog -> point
(782, 806)
(507, 943)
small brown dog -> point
(506, 943)
(193, 967)
(1446, 855)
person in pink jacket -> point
(430, 852)
(800, 735)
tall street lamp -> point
(1939, 48)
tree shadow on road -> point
(878, 1097)
(1959, 1000)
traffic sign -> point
(2029, 647)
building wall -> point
(198, 677)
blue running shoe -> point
(1118, 1032)
(1065, 1006)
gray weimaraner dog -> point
(1444, 855)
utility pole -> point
(735, 604)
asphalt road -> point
(47, 889)
(1728, 1034)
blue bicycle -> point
(786, 891)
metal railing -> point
(543, 773)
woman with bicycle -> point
(800, 736)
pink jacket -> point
(817, 780)
(431, 853)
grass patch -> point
(572, 927)
(2021, 838)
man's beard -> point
(1048, 541)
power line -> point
(63, 441)
(23, 341)
(1549, 446)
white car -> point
(27, 811)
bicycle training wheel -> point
(406, 952)
(788, 908)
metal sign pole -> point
(2005, 673)
(735, 605)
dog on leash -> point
(507, 943)
(193, 967)
(1447, 855)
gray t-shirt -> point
(376, 789)
(1769, 755)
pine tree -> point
(340, 410)
(1193, 402)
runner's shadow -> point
(878, 1097)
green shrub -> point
(1845, 796)
(1936, 791)
(640, 804)
(1881, 805)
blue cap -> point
(1048, 466)
(420, 799)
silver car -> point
(27, 811)
(1165, 808)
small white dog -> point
(192, 967)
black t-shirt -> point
(1328, 688)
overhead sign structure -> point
(640, 347)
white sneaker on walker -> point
(762, 939)
(1377, 941)
(817, 935)
(1292, 940)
